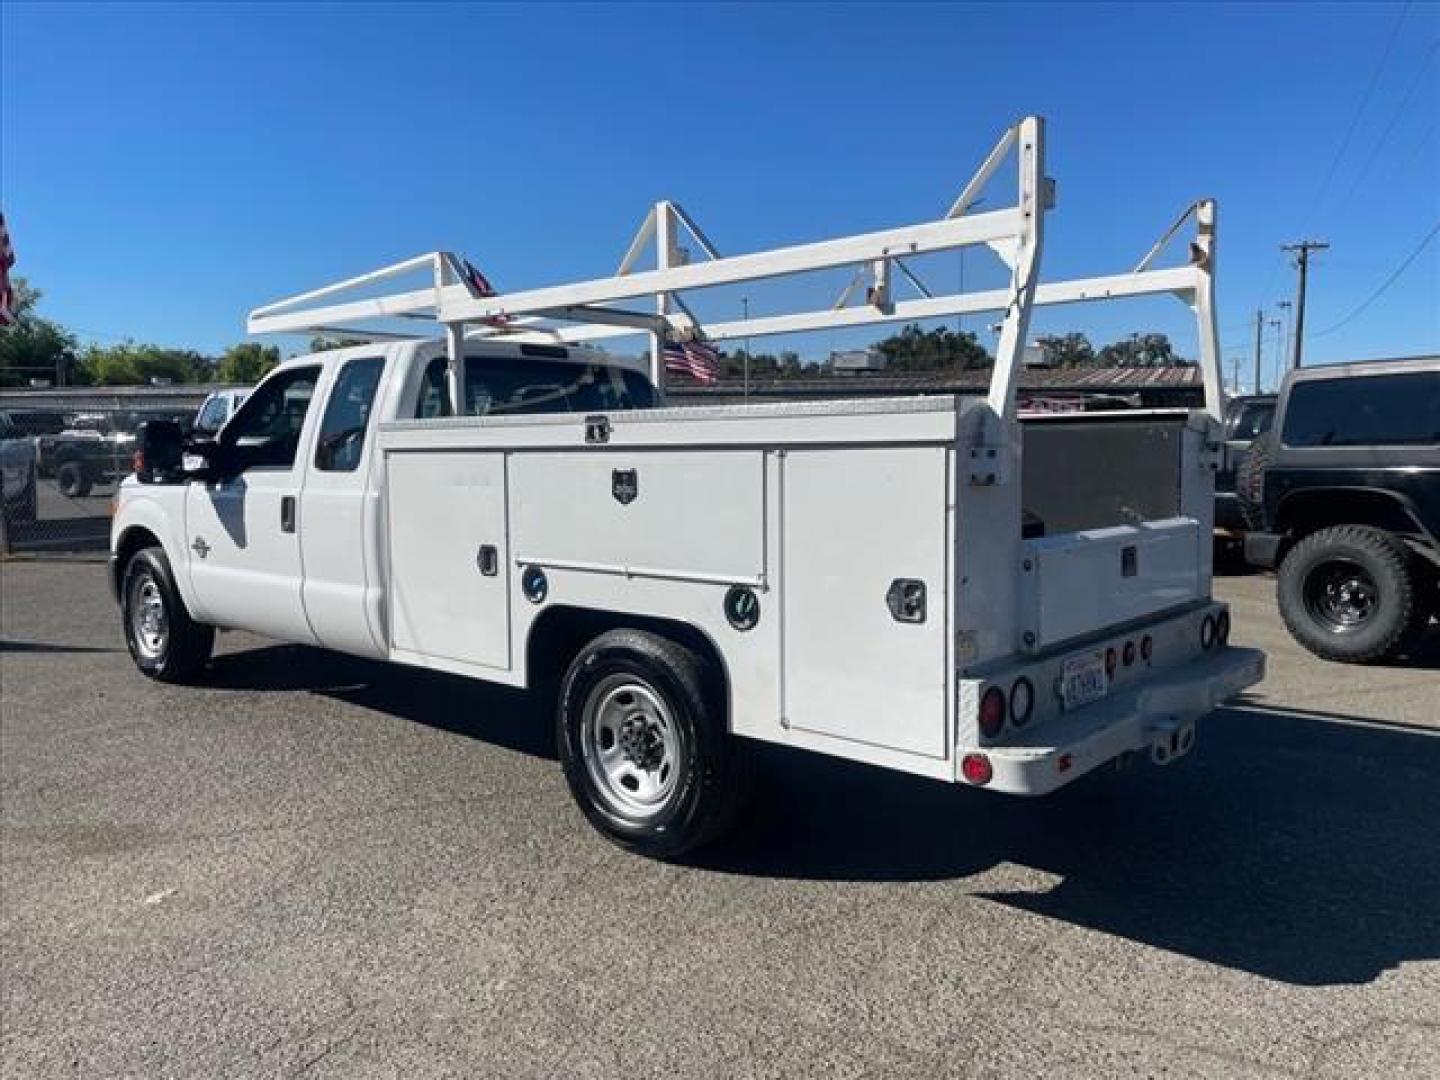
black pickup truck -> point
(1343, 497)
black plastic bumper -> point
(1263, 549)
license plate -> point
(1083, 680)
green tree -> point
(1141, 350)
(940, 349)
(34, 348)
(1067, 350)
(246, 363)
(129, 364)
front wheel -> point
(74, 480)
(165, 643)
(644, 745)
(1347, 593)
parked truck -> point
(876, 580)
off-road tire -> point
(73, 479)
(186, 645)
(713, 769)
(1250, 479)
(1372, 557)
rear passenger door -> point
(338, 514)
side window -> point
(266, 429)
(434, 397)
(212, 416)
(347, 414)
(1370, 410)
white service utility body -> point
(926, 584)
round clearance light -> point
(1222, 628)
(976, 769)
(742, 608)
(992, 712)
(1129, 654)
(1022, 701)
(534, 584)
(1147, 646)
(1207, 632)
(1112, 661)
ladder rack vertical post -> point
(1034, 202)
(455, 369)
(667, 255)
(1204, 304)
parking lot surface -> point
(319, 866)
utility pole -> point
(1279, 352)
(1259, 329)
(1302, 249)
(1289, 309)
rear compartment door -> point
(854, 522)
(449, 556)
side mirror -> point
(159, 453)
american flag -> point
(7, 260)
(693, 358)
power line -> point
(1394, 121)
(1355, 120)
(1394, 276)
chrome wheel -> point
(631, 747)
(149, 625)
(1341, 595)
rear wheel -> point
(1347, 593)
(164, 641)
(644, 745)
(73, 480)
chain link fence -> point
(62, 455)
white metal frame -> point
(582, 311)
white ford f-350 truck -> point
(934, 584)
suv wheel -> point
(1347, 593)
(644, 745)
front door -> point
(245, 565)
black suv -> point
(1343, 495)
(1246, 419)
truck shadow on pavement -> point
(1302, 847)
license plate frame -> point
(1083, 680)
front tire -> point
(1347, 593)
(644, 746)
(164, 641)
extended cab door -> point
(245, 565)
(339, 513)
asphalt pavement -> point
(320, 866)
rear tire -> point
(73, 480)
(1348, 593)
(643, 741)
(164, 641)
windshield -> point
(496, 386)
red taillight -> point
(1147, 646)
(1129, 653)
(992, 712)
(1112, 660)
(1207, 632)
(1222, 628)
(976, 768)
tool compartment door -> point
(443, 507)
(854, 521)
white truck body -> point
(874, 548)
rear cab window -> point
(1374, 410)
(527, 385)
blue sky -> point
(165, 168)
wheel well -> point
(1306, 512)
(133, 539)
(560, 632)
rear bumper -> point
(1157, 717)
(1262, 549)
